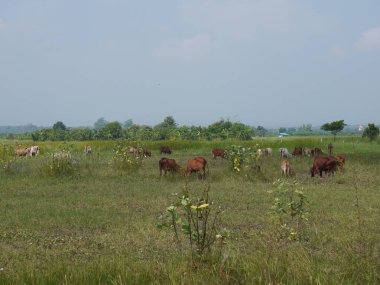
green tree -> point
(168, 122)
(128, 123)
(371, 132)
(113, 130)
(334, 127)
(261, 131)
(100, 124)
(59, 126)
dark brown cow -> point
(297, 151)
(168, 164)
(197, 164)
(165, 149)
(328, 164)
(218, 152)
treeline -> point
(167, 130)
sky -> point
(260, 62)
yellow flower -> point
(199, 207)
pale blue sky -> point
(262, 62)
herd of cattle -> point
(322, 163)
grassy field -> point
(99, 225)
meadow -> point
(98, 224)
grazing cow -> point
(297, 151)
(165, 149)
(328, 164)
(307, 151)
(316, 152)
(197, 164)
(330, 148)
(218, 152)
(268, 151)
(33, 151)
(284, 153)
(87, 149)
(23, 151)
(168, 164)
(146, 152)
(285, 168)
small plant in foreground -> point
(290, 211)
(192, 218)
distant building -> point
(281, 135)
(360, 128)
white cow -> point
(268, 151)
(284, 153)
(33, 151)
(87, 149)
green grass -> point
(98, 226)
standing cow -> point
(198, 165)
(168, 164)
(33, 151)
(284, 153)
(218, 152)
(87, 150)
(165, 149)
(327, 164)
(297, 151)
(268, 151)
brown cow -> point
(328, 164)
(22, 151)
(285, 168)
(168, 164)
(165, 149)
(297, 151)
(218, 152)
(197, 164)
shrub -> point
(192, 218)
(7, 158)
(60, 163)
(123, 160)
(289, 211)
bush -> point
(192, 218)
(60, 163)
(123, 160)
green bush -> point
(60, 163)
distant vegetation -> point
(168, 129)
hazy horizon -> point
(274, 63)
